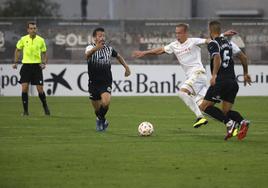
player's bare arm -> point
(121, 60)
(208, 40)
(44, 60)
(16, 58)
(226, 34)
(229, 33)
(155, 51)
(99, 45)
(216, 67)
(243, 60)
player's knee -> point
(105, 100)
(25, 90)
(105, 103)
(202, 107)
(40, 89)
(205, 104)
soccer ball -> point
(145, 129)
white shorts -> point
(197, 85)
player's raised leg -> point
(189, 100)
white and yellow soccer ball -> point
(145, 129)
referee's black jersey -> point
(99, 65)
(223, 47)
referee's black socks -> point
(42, 97)
(24, 98)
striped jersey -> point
(99, 65)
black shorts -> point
(222, 91)
(31, 73)
(96, 89)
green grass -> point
(64, 151)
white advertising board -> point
(145, 80)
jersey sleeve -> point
(168, 48)
(88, 48)
(114, 53)
(235, 48)
(213, 48)
(20, 44)
(198, 41)
(43, 46)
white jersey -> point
(235, 48)
(188, 54)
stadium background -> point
(64, 150)
(133, 25)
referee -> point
(98, 55)
(34, 60)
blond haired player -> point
(188, 53)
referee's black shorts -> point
(225, 90)
(31, 73)
(95, 89)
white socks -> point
(190, 102)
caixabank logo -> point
(55, 80)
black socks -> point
(236, 116)
(24, 98)
(101, 112)
(216, 113)
(42, 97)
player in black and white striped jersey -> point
(98, 55)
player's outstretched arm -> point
(225, 34)
(121, 60)
(244, 61)
(155, 51)
(229, 33)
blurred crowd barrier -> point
(66, 39)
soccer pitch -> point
(65, 151)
